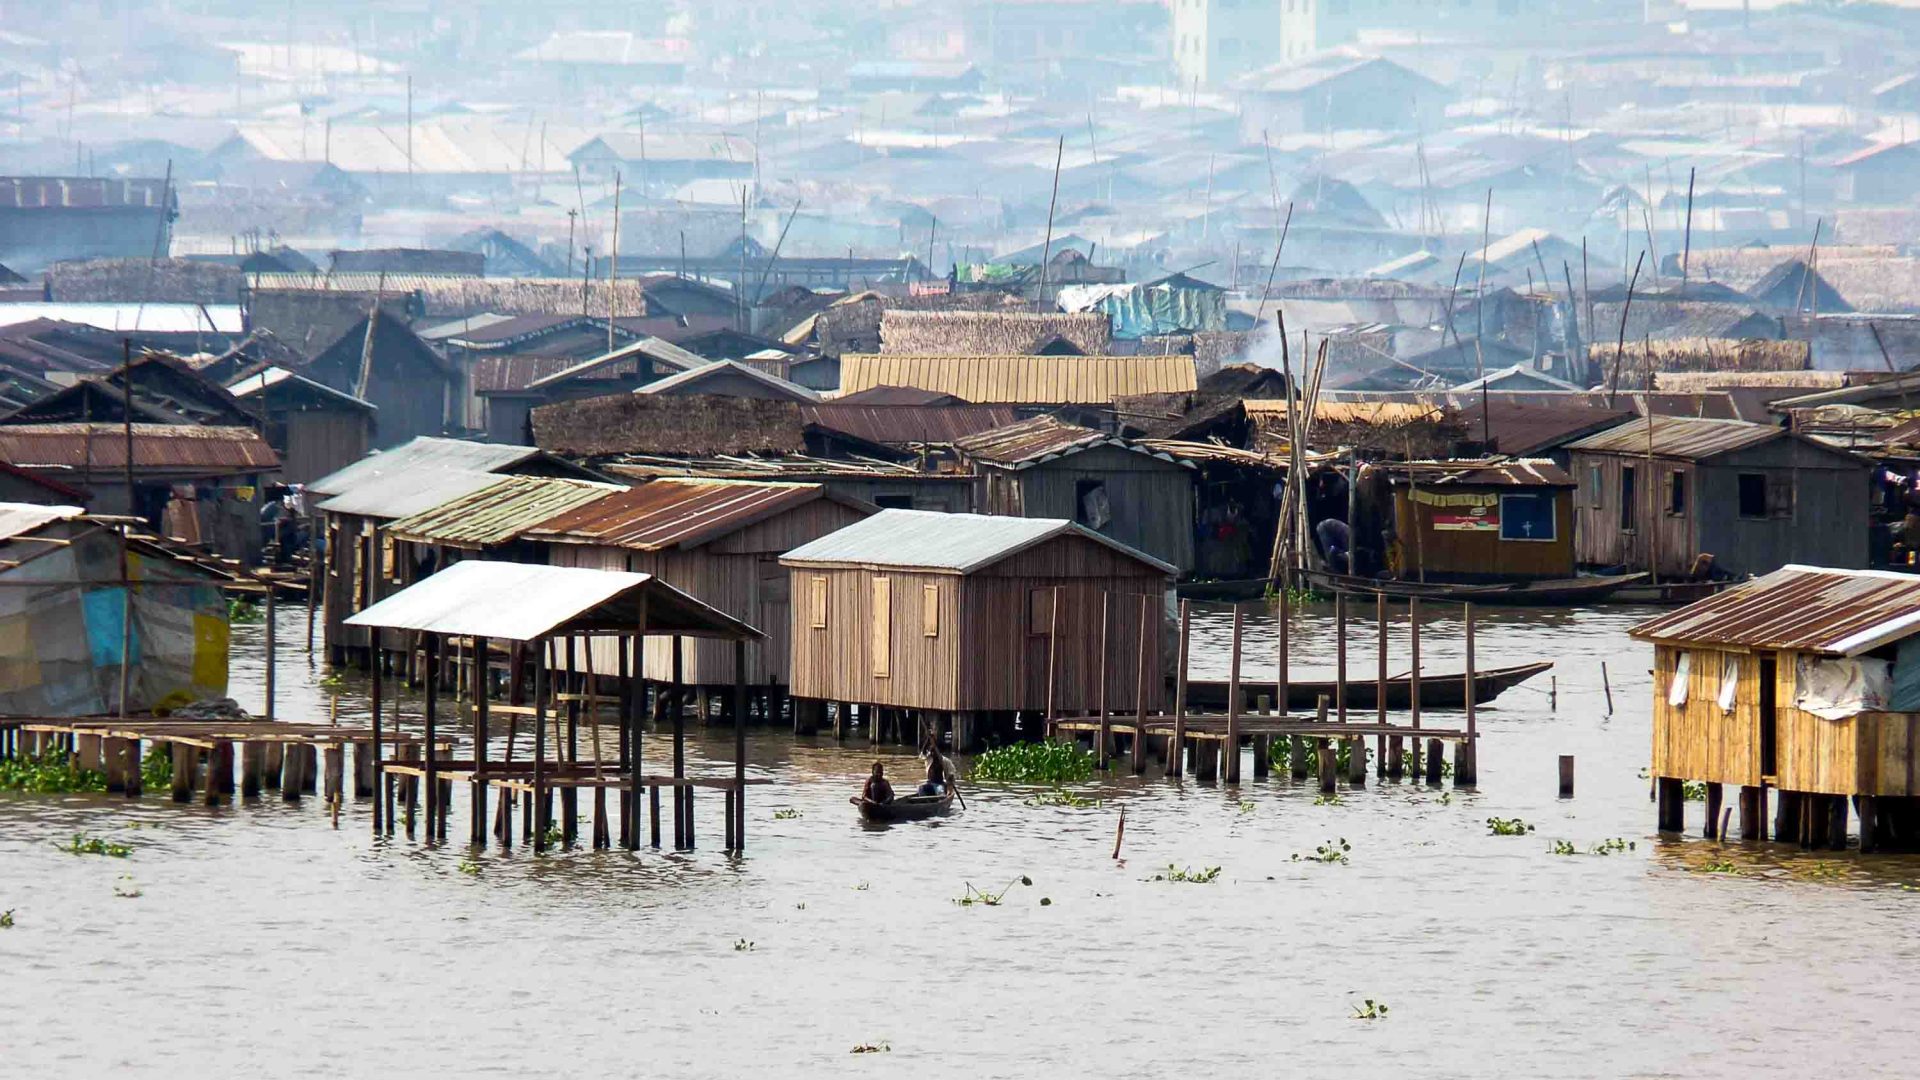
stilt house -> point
(956, 613)
(1804, 687)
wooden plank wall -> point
(1598, 538)
(1461, 554)
(1152, 500)
(322, 442)
(1868, 754)
(836, 662)
(1697, 741)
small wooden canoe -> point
(1556, 592)
(905, 808)
(1438, 690)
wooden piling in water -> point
(1328, 772)
(1753, 813)
(1340, 656)
(1138, 750)
(1566, 776)
(1672, 807)
(1387, 759)
(1231, 750)
(1413, 681)
(1466, 755)
(1263, 744)
(1176, 751)
(1714, 796)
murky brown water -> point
(265, 942)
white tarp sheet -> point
(1839, 688)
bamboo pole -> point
(1340, 656)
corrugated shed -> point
(407, 492)
(1683, 437)
(1030, 442)
(908, 425)
(1518, 473)
(669, 513)
(175, 448)
(1024, 380)
(423, 454)
(81, 193)
(528, 601)
(990, 333)
(1800, 608)
(516, 371)
(499, 512)
(18, 519)
(950, 543)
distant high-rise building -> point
(1216, 41)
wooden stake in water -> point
(1607, 686)
(1176, 753)
(1232, 748)
(1106, 621)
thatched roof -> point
(1698, 354)
(678, 426)
(990, 333)
(157, 281)
(1694, 382)
(453, 297)
(851, 324)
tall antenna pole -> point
(1480, 302)
(1686, 249)
(1046, 250)
(613, 262)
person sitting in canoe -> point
(877, 789)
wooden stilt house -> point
(1802, 687)
(976, 617)
(718, 540)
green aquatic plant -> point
(1046, 901)
(1246, 806)
(1410, 766)
(6, 919)
(50, 772)
(241, 610)
(1818, 871)
(552, 837)
(786, 813)
(1034, 763)
(332, 682)
(1295, 596)
(157, 770)
(1060, 797)
(1331, 852)
(94, 845)
(1370, 1010)
(1719, 866)
(1694, 790)
(1500, 826)
(743, 945)
(1562, 847)
(1280, 753)
(1329, 800)
(1187, 875)
(1611, 846)
(468, 866)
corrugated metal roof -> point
(17, 519)
(178, 448)
(1184, 450)
(950, 543)
(1041, 439)
(407, 492)
(1023, 380)
(670, 512)
(152, 318)
(693, 377)
(424, 452)
(525, 602)
(268, 378)
(1683, 437)
(1802, 608)
(904, 425)
(1525, 472)
(499, 512)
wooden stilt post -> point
(380, 822)
(1103, 744)
(1672, 806)
(1176, 752)
(569, 793)
(1413, 680)
(1138, 751)
(1566, 776)
(1752, 813)
(1714, 796)
(432, 767)
(1466, 769)
(273, 659)
(738, 841)
(538, 817)
(1262, 744)
(1231, 748)
(1388, 757)
(681, 827)
(480, 739)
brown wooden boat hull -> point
(1440, 690)
(906, 808)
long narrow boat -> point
(1556, 592)
(905, 808)
(1438, 690)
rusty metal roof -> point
(499, 512)
(1024, 380)
(181, 449)
(1494, 472)
(527, 602)
(17, 519)
(1802, 608)
(905, 425)
(1041, 439)
(1684, 437)
(674, 513)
